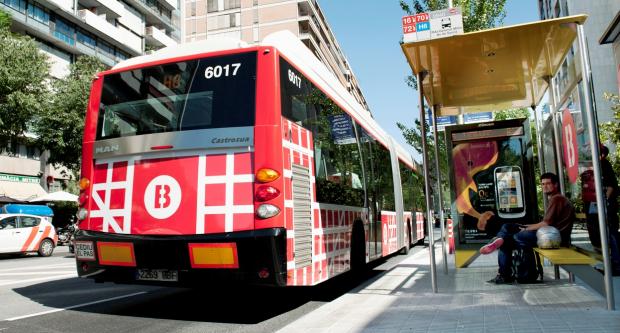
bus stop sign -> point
(569, 141)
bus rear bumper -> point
(249, 257)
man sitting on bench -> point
(560, 214)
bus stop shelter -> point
(497, 69)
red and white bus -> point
(225, 161)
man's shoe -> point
(495, 244)
(499, 279)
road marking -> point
(31, 268)
(76, 306)
(37, 273)
(50, 278)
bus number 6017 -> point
(218, 71)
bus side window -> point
(338, 162)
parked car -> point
(23, 233)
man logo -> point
(162, 197)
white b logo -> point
(162, 197)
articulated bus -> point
(222, 161)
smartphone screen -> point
(509, 192)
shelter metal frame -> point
(501, 68)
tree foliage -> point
(5, 22)
(477, 15)
(413, 137)
(60, 127)
(610, 131)
(23, 88)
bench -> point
(568, 257)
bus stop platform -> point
(400, 299)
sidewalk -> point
(401, 300)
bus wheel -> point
(358, 249)
(46, 248)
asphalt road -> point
(44, 295)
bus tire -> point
(358, 248)
(46, 248)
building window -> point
(64, 31)
(18, 5)
(232, 4)
(86, 39)
(193, 8)
(212, 6)
(14, 149)
(121, 55)
(38, 13)
(105, 47)
(32, 153)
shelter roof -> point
(492, 69)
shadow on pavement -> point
(221, 304)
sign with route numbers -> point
(432, 25)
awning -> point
(56, 196)
(492, 69)
(20, 190)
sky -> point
(368, 32)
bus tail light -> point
(263, 273)
(266, 175)
(82, 213)
(266, 211)
(266, 193)
(82, 199)
(84, 183)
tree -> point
(610, 131)
(5, 21)
(23, 87)
(477, 15)
(60, 127)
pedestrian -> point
(611, 191)
(560, 214)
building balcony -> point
(158, 37)
(66, 5)
(111, 8)
(117, 35)
(154, 16)
(170, 4)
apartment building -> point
(604, 73)
(252, 20)
(111, 30)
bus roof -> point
(492, 69)
(293, 49)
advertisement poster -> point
(491, 174)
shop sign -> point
(19, 179)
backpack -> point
(526, 267)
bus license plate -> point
(84, 250)
(157, 275)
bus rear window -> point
(204, 93)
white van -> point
(22, 233)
